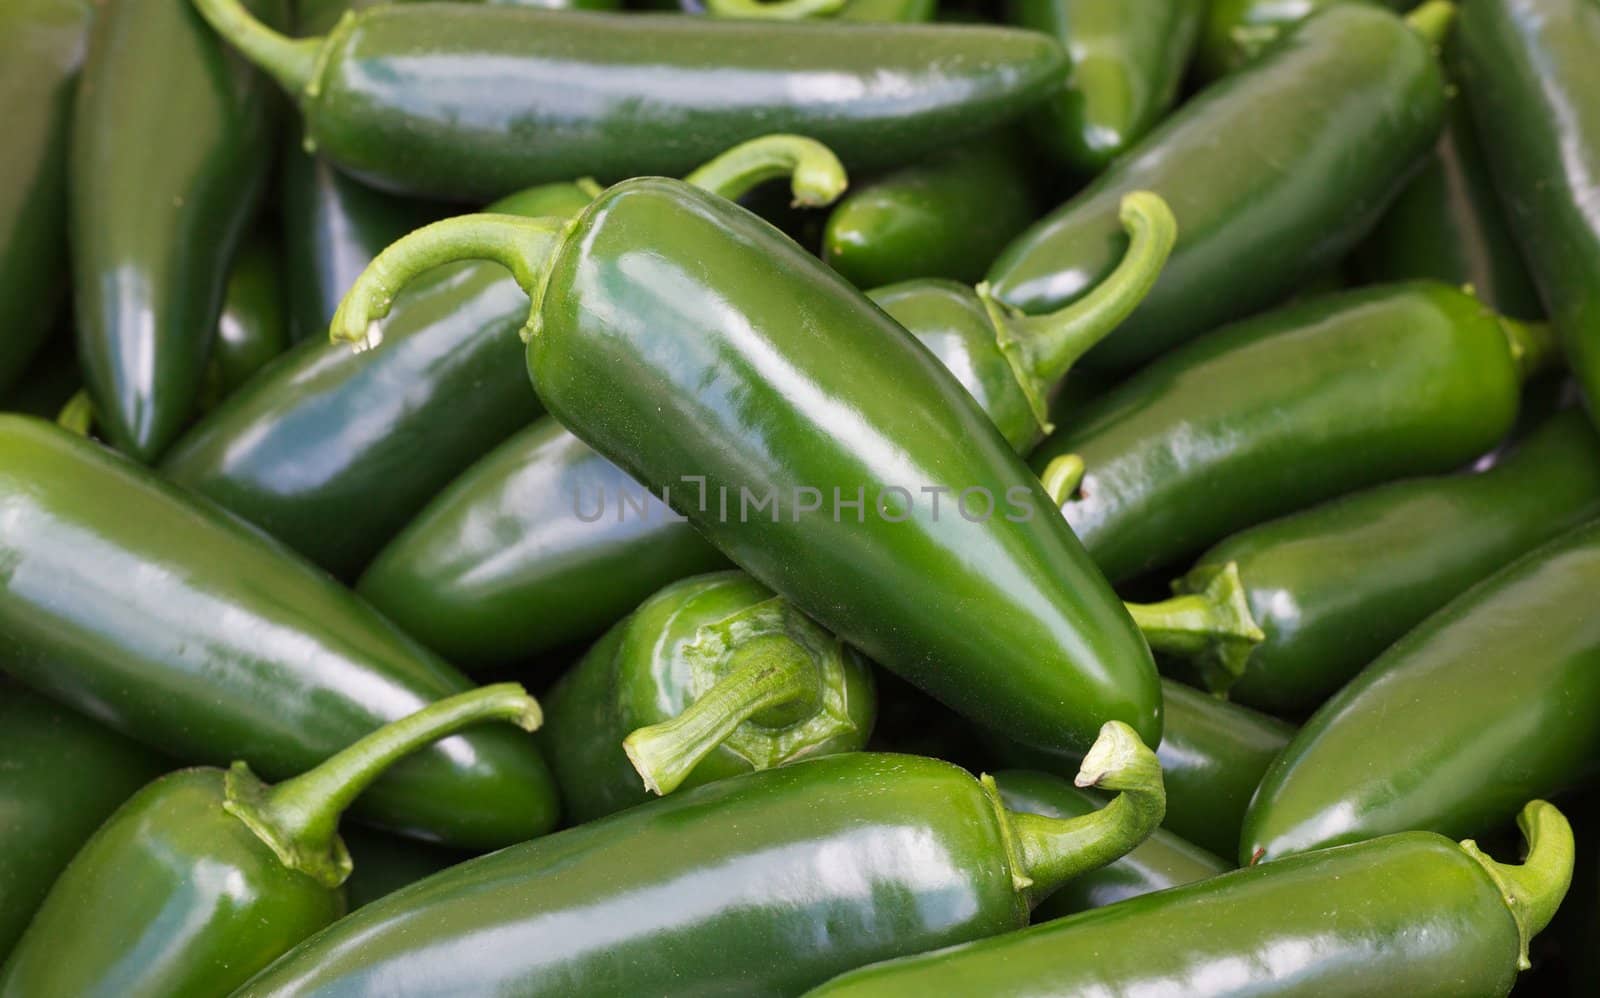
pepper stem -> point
(1046, 852)
(818, 178)
(1532, 344)
(77, 416)
(1042, 348)
(299, 818)
(523, 246)
(1433, 20)
(1210, 624)
(766, 672)
(1533, 890)
(290, 61)
(777, 9)
(1061, 478)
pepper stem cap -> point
(1208, 621)
(1433, 20)
(787, 10)
(1042, 348)
(77, 416)
(1534, 890)
(299, 818)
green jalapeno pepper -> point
(172, 623)
(1498, 691)
(1335, 585)
(168, 159)
(1531, 75)
(1161, 861)
(1234, 33)
(252, 329)
(711, 677)
(555, 108)
(797, 389)
(381, 864)
(61, 775)
(795, 874)
(1275, 413)
(1448, 225)
(41, 49)
(1273, 173)
(207, 875)
(289, 454)
(944, 217)
(545, 541)
(49, 382)
(1213, 755)
(1127, 58)
(1413, 914)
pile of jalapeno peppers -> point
(786, 497)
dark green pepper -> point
(1532, 77)
(1275, 413)
(1159, 862)
(1496, 693)
(1448, 225)
(762, 884)
(61, 775)
(171, 622)
(943, 217)
(382, 864)
(1273, 173)
(536, 545)
(170, 141)
(382, 93)
(1411, 914)
(206, 876)
(1335, 585)
(332, 453)
(41, 49)
(711, 677)
(253, 328)
(1236, 32)
(1127, 58)
(1213, 754)
(733, 364)
(49, 382)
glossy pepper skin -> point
(1127, 58)
(943, 217)
(831, 862)
(169, 621)
(1213, 754)
(1530, 73)
(1159, 862)
(1334, 586)
(61, 775)
(1234, 33)
(1029, 636)
(1498, 690)
(1448, 225)
(253, 327)
(1273, 173)
(41, 50)
(721, 643)
(554, 109)
(207, 875)
(545, 541)
(290, 455)
(1275, 413)
(170, 140)
(1412, 914)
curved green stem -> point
(778, 9)
(1061, 478)
(1533, 890)
(818, 176)
(1533, 346)
(299, 818)
(292, 62)
(1042, 348)
(1047, 852)
(1433, 20)
(1208, 622)
(77, 416)
(767, 672)
(523, 246)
